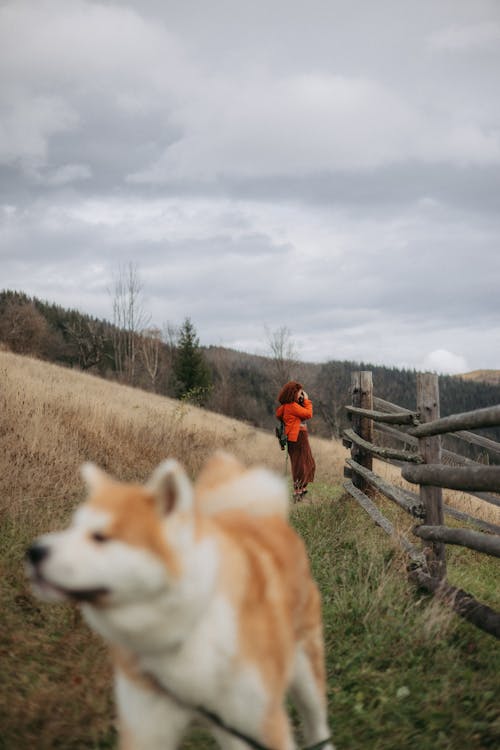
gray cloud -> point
(329, 166)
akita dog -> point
(205, 596)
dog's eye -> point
(99, 537)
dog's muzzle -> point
(35, 555)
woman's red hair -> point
(288, 393)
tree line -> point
(170, 361)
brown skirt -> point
(301, 458)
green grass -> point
(403, 672)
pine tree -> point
(191, 371)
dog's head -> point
(116, 549)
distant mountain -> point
(492, 377)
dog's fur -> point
(205, 596)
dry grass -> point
(53, 419)
(55, 676)
(458, 500)
(482, 376)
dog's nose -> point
(36, 553)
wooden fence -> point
(424, 461)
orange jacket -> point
(292, 415)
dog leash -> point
(216, 719)
(221, 724)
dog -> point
(205, 596)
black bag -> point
(281, 435)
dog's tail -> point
(225, 484)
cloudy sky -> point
(332, 166)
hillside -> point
(402, 671)
(244, 386)
(491, 377)
(53, 419)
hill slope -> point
(53, 419)
(402, 671)
(244, 386)
(491, 377)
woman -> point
(295, 409)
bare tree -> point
(284, 354)
(170, 334)
(150, 343)
(224, 394)
(129, 318)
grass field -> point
(403, 671)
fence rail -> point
(423, 461)
(453, 477)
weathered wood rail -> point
(424, 462)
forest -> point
(172, 362)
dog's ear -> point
(93, 476)
(171, 487)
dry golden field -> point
(53, 419)
(482, 376)
(55, 678)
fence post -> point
(362, 396)
(430, 450)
